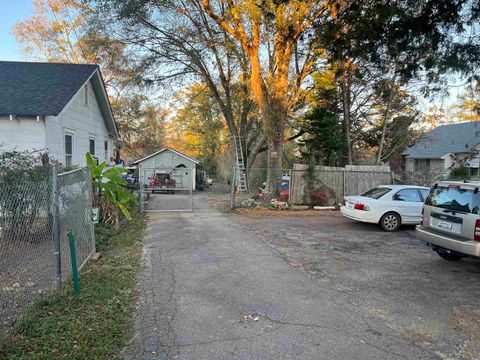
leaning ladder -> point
(242, 172)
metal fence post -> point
(141, 194)
(232, 189)
(90, 194)
(290, 175)
(56, 228)
(141, 198)
(392, 175)
(191, 189)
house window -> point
(105, 148)
(85, 94)
(92, 146)
(68, 149)
(422, 165)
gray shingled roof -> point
(30, 89)
(446, 139)
(163, 150)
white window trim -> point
(72, 134)
(92, 137)
(109, 148)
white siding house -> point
(68, 115)
(21, 133)
(445, 148)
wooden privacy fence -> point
(350, 180)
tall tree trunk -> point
(273, 104)
(384, 131)
(275, 142)
(385, 119)
(346, 130)
(277, 115)
(273, 114)
(345, 89)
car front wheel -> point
(390, 222)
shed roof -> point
(444, 140)
(34, 88)
(163, 150)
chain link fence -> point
(324, 186)
(36, 214)
(75, 214)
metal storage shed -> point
(168, 160)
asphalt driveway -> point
(232, 286)
(391, 278)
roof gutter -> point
(109, 106)
(12, 117)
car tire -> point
(449, 256)
(390, 222)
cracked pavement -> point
(204, 272)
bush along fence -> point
(38, 210)
(308, 185)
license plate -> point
(445, 225)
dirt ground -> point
(391, 277)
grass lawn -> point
(96, 324)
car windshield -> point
(376, 193)
(454, 198)
(162, 177)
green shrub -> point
(110, 193)
(461, 172)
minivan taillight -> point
(477, 230)
(421, 216)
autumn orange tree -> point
(270, 33)
(259, 47)
(181, 45)
(65, 31)
(54, 31)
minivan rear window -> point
(455, 199)
(376, 193)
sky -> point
(11, 12)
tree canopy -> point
(336, 79)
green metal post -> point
(73, 257)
